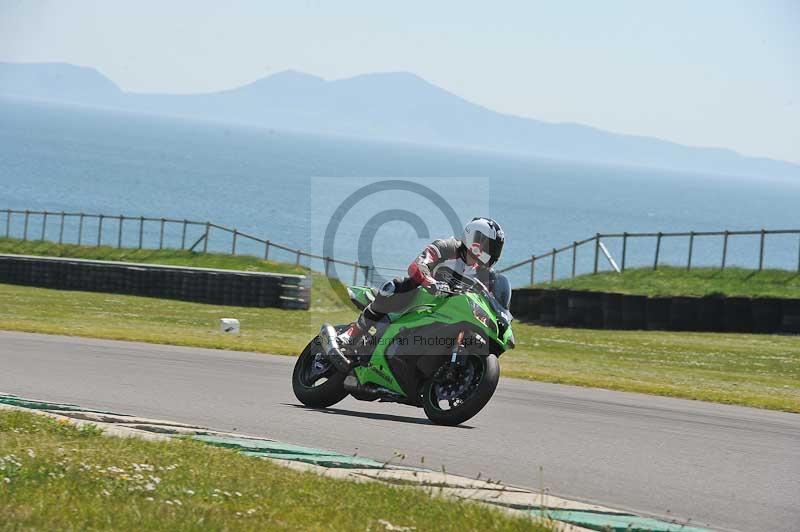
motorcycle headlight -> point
(482, 316)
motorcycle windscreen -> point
(502, 290)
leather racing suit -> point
(440, 261)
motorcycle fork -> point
(458, 347)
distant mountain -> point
(395, 106)
(56, 81)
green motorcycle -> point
(441, 354)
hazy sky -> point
(709, 73)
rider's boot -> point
(354, 332)
(364, 330)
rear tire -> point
(306, 377)
(473, 404)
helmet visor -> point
(486, 249)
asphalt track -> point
(725, 467)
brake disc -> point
(319, 366)
(454, 390)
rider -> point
(440, 263)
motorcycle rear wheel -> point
(307, 378)
(487, 375)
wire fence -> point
(142, 232)
(599, 248)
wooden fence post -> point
(366, 275)
(327, 265)
(80, 229)
(596, 250)
(8, 223)
(553, 267)
(297, 260)
(61, 229)
(25, 228)
(658, 250)
(624, 249)
(266, 250)
(100, 230)
(141, 231)
(183, 234)
(725, 249)
(119, 231)
(208, 236)
(233, 246)
(44, 225)
(761, 251)
(691, 247)
(161, 237)
(533, 268)
(574, 255)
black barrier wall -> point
(223, 287)
(602, 310)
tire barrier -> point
(547, 310)
(683, 314)
(657, 313)
(737, 314)
(790, 321)
(221, 287)
(634, 312)
(562, 301)
(612, 311)
(603, 310)
(767, 315)
(585, 308)
(709, 314)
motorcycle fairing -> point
(425, 310)
(361, 296)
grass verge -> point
(55, 476)
(753, 370)
(672, 281)
(761, 371)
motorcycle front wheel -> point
(315, 381)
(456, 400)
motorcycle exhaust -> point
(330, 344)
(369, 392)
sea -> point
(363, 200)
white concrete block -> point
(229, 325)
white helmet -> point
(484, 238)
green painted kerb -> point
(613, 522)
(43, 405)
(285, 451)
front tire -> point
(481, 388)
(315, 381)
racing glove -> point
(439, 289)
